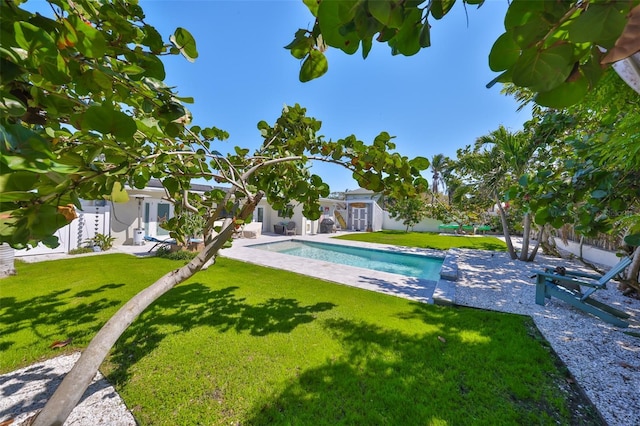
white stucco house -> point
(147, 208)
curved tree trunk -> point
(76, 382)
(505, 230)
(524, 254)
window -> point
(287, 212)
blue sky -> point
(433, 102)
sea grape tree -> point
(85, 111)
(556, 49)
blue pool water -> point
(410, 265)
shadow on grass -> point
(61, 308)
(389, 377)
(193, 305)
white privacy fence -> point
(91, 221)
(427, 225)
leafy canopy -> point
(553, 48)
(85, 112)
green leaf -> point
(565, 95)
(301, 44)
(314, 66)
(425, 35)
(333, 16)
(599, 193)
(599, 23)
(504, 53)
(10, 105)
(91, 42)
(119, 194)
(439, 8)
(524, 180)
(107, 120)
(381, 10)
(185, 42)
(153, 39)
(420, 163)
(543, 70)
(171, 184)
(32, 38)
(312, 5)
(241, 151)
(407, 40)
(632, 240)
(520, 12)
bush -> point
(81, 250)
(166, 253)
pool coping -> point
(426, 291)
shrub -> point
(81, 250)
(166, 253)
(105, 242)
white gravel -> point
(24, 392)
(604, 361)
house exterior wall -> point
(142, 208)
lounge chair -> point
(159, 243)
(566, 285)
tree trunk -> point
(76, 382)
(524, 254)
(532, 256)
(505, 230)
(634, 269)
(581, 247)
(7, 264)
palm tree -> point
(438, 163)
(498, 160)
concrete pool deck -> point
(426, 291)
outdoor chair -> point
(159, 243)
(279, 228)
(566, 286)
(290, 228)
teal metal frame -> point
(550, 284)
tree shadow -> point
(386, 376)
(54, 308)
(195, 305)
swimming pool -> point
(411, 265)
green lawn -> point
(427, 240)
(243, 344)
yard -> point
(428, 240)
(243, 344)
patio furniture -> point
(279, 228)
(159, 243)
(290, 228)
(565, 285)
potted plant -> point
(100, 242)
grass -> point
(428, 240)
(243, 344)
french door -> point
(359, 222)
